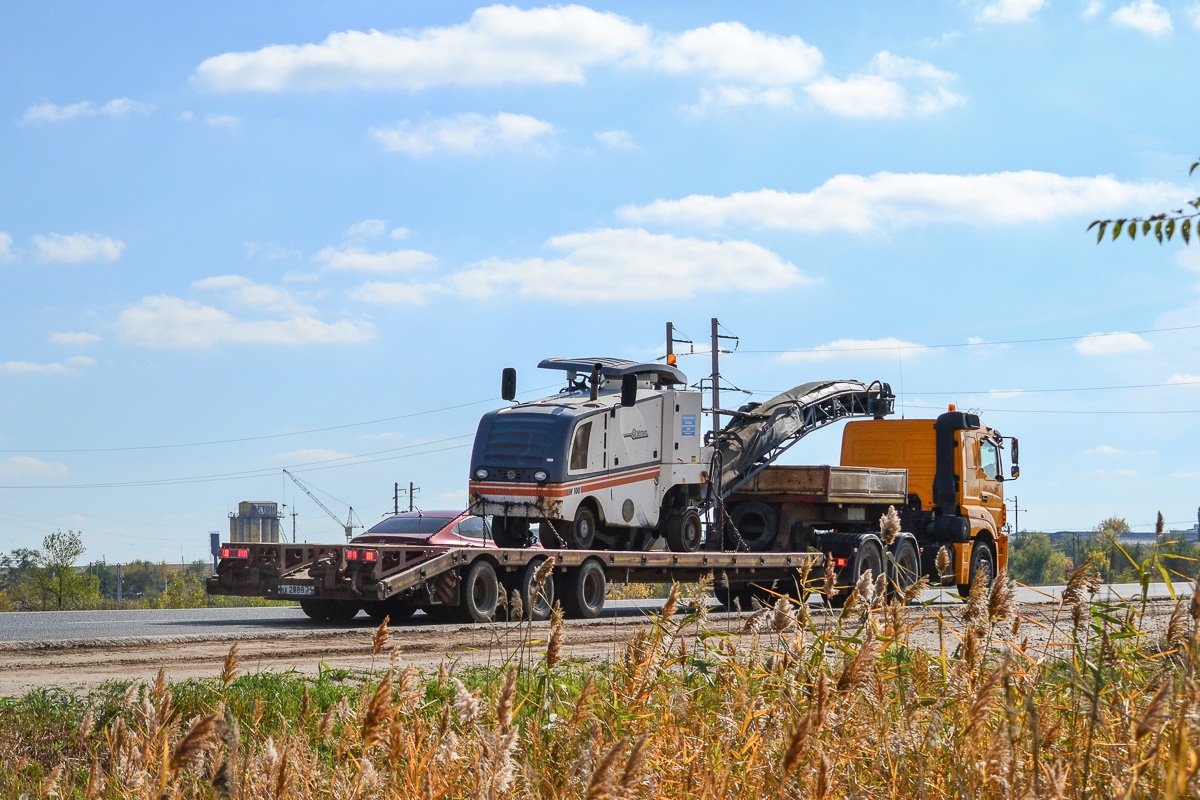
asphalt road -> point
(200, 623)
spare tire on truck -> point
(756, 524)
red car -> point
(420, 528)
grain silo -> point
(254, 522)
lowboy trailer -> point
(334, 582)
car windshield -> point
(411, 525)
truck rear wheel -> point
(537, 606)
(905, 567)
(479, 593)
(983, 561)
(583, 590)
(684, 531)
(868, 557)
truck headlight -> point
(481, 473)
(540, 476)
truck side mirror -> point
(508, 383)
(1015, 459)
(629, 390)
(1015, 471)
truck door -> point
(991, 481)
(982, 499)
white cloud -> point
(1092, 9)
(631, 264)
(75, 248)
(1004, 394)
(1106, 344)
(1104, 450)
(618, 140)
(722, 97)
(81, 361)
(388, 294)
(348, 257)
(5, 246)
(1183, 377)
(1010, 10)
(1193, 14)
(400, 233)
(858, 349)
(1188, 258)
(498, 44)
(1145, 16)
(863, 203)
(1185, 474)
(29, 467)
(368, 228)
(269, 251)
(73, 339)
(186, 116)
(729, 51)
(881, 90)
(164, 322)
(222, 121)
(33, 368)
(49, 112)
(465, 134)
(245, 292)
(310, 456)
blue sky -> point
(321, 229)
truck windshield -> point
(989, 459)
(411, 525)
(522, 440)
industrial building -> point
(254, 522)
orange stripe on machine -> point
(562, 489)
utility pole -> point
(412, 490)
(1017, 514)
(716, 378)
(396, 498)
(294, 515)
(119, 587)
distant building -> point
(254, 522)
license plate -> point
(297, 589)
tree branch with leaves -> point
(1164, 224)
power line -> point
(959, 392)
(973, 344)
(268, 435)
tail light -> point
(352, 555)
(841, 562)
(361, 555)
(369, 555)
(231, 552)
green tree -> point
(1033, 561)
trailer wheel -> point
(983, 561)
(537, 607)
(905, 567)
(344, 611)
(684, 531)
(583, 590)
(396, 609)
(316, 610)
(479, 593)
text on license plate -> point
(296, 588)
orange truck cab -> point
(955, 484)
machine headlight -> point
(540, 476)
(481, 473)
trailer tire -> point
(316, 610)
(479, 593)
(756, 523)
(685, 531)
(583, 590)
(983, 559)
(904, 567)
(537, 607)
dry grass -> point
(825, 706)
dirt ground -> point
(81, 667)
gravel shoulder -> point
(84, 665)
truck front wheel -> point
(983, 564)
(579, 534)
(684, 531)
(905, 567)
